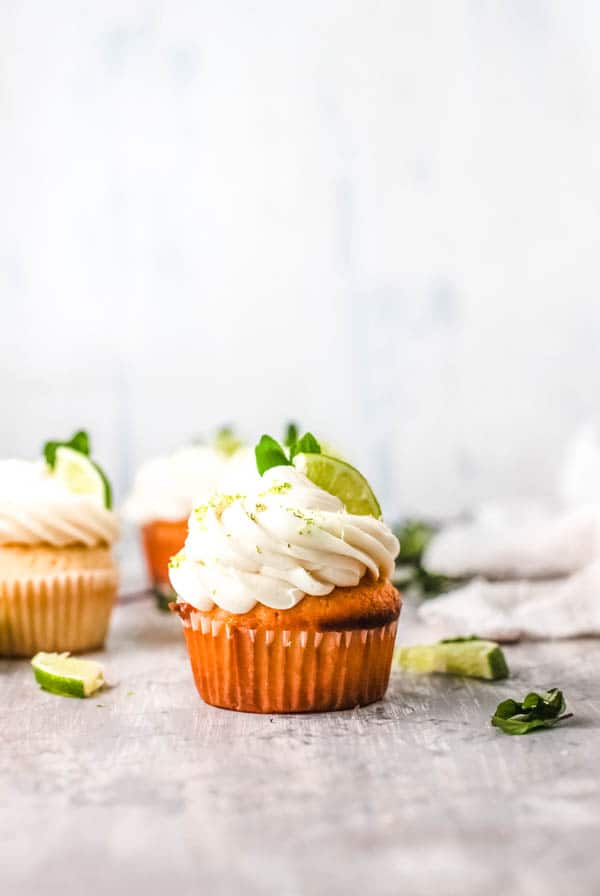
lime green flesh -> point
(340, 479)
(81, 475)
(61, 674)
(475, 659)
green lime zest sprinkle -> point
(176, 560)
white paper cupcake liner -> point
(67, 611)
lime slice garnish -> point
(61, 674)
(340, 479)
(81, 475)
(473, 658)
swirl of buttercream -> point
(35, 508)
(284, 539)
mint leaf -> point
(306, 445)
(291, 435)
(226, 441)
(79, 442)
(269, 453)
(534, 712)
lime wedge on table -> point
(81, 475)
(340, 479)
(473, 658)
(65, 675)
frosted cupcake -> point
(58, 581)
(164, 492)
(283, 588)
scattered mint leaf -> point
(269, 453)
(536, 711)
(79, 442)
(306, 445)
(291, 435)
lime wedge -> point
(473, 658)
(340, 479)
(61, 674)
(81, 475)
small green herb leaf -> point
(269, 453)
(226, 441)
(306, 445)
(536, 711)
(79, 442)
(291, 435)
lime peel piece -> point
(342, 480)
(473, 659)
(81, 475)
(60, 673)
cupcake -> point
(58, 581)
(284, 587)
(164, 492)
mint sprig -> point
(79, 442)
(269, 453)
(306, 445)
(291, 434)
(534, 712)
(226, 442)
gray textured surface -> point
(144, 789)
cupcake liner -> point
(62, 612)
(273, 670)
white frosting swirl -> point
(166, 488)
(35, 508)
(286, 538)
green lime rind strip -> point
(65, 687)
(108, 501)
(473, 659)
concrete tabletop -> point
(144, 789)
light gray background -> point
(378, 217)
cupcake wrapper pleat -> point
(265, 670)
(62, 612)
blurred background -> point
(377, 218)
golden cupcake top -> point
(63, 499)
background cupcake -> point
(58, 581)
(284, 587)
(165, 490)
